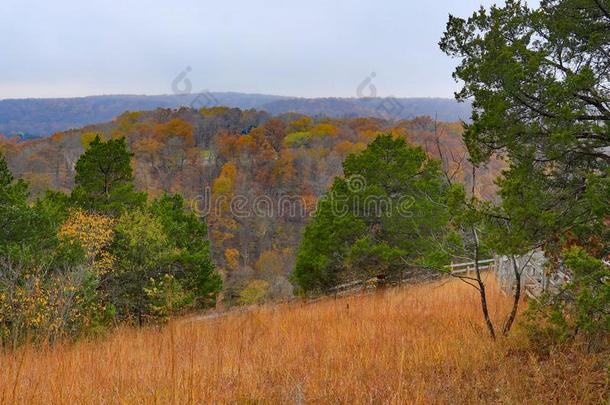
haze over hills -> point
(45, 116)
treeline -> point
(74, 264)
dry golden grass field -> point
(419, 344)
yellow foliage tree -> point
(300, 124)
(270, 263)
(94, 233)
(254, 293)
(88, 137)
(344, 148)
(323, 130)
(232, 258)
(225, 182)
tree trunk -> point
(516, 297)
(490, 326)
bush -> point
(254, 293)
(581, 312)
(165, 297)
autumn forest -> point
(233, 247)
(208, 153)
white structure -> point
(536, 278)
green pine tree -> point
(104, 178)
(6, 177)
(538, 79)
(387, 214)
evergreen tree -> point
(19, 222)
(192, 255)
(539, 80)
(104, 179)
(539, 83)
(6, 177)
(385, 216)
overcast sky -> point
(310, 48)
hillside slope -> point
(422, 344)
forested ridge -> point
(212, 155)
(44, 116)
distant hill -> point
(388, 108)
(42, 117)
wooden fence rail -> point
(374, 282)
(534, 280)
(467, 267)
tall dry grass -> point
(421, 344)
